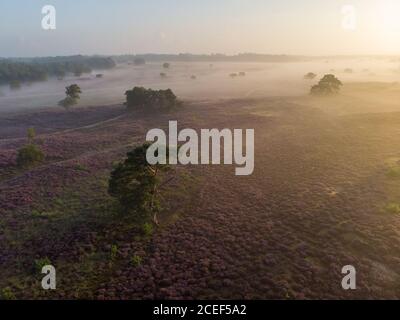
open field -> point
(318, 200)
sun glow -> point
(389, 22)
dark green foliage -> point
(134, 184)
(148, 99)
(15, 84)
(67, 103)
(40, 263)
(328, 85)
(139, 61)
(38, 69)
(29, 155)
(72, 93)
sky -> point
(297, 27)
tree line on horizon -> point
(39, 69)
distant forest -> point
(38, 69)
(243, 57)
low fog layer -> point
(211, 81)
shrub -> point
(328, 85)
(139, 61)
(7, 294)
(15, 84)
(136, 261)
(113, 252)
(147, 229)
(393, 172)
(310, 76)
(40, 263)
(72, 93)
(148, 99)
(67, 103)
(31, 133)
(166, 65)
(29, 155)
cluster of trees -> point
(30, 154)
(72, 93)
(328, 85)
(38, 69)
(147, 99)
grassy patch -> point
(392, 208)
(136, 261)
(7, 294)
(393, 173)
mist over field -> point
(212, 81)
(296, 195)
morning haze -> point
(284, 116)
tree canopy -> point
(134, 183)
(72, 93)
(147, 99)
(328, 85)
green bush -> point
(328, 85)
(136, 261)
(40, 263)
(147, 229)
(113, 252)
(393, 208)
(7, 294)
(134, 184)
(393, 172)
(29, 155)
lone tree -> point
(166, 65)
(30, 154)
(72, 93)
(140, 98)
(328, 85)
(135, 184)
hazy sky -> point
(314, 27)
